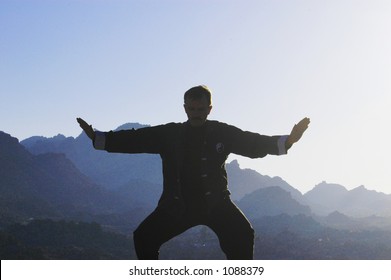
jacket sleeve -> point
(254, 145)
(142, 140)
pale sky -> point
(268, 63)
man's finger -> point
(81, 121)
(305, 121)
(83, 124)
(302, 125)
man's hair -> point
(197, 93)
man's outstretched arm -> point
(143, 140)
(297, 131)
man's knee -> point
(247, 236)
(239, 246)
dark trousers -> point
(234, 231)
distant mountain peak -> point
(327, 185)
(244, 181)
(234, 164)
(33, 140)
(325, 198)
(327, 189)
(10, 147)
(337, 215)
(7, 137)
(271, 201)
(131, 126)
(360, 189)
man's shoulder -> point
(215, 123)
(173, 125)
(170, 127)
(218, 124)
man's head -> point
(198, 104)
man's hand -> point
(87, 128)
(297, 132)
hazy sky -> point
(268, 63)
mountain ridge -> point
(48, 185)
(326, 198)
(124, 172)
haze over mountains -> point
(109, 170)
(75, 171)
(112, 171)
(65, 178)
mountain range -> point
(326, 198)
(110, 170)
(113, 171)
(65, 177)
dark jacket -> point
(168, 140)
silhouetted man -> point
(195, 189)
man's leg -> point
(156, 229)
(234, 231)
